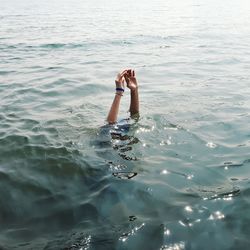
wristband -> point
(119, 89)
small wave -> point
(64, 45)
(124, 175)
(24, 46)
(53, 45)
(218, 193)
(6, 72)
(230, 164)
(121, 42)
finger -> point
(133, 73)
(120, 75)
(123, 72)
(123, 81)
(126, 76)
(128, 72)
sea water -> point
(178, 178)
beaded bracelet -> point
(120, 94)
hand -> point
(131, 79)
(119, 81)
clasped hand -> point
(127, 76)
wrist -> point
(119, 93)
(134, 90)
(118, 84)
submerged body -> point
(121, 139)
(118, 136)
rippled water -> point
(179, 179)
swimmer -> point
(127, 76)
(118, 134)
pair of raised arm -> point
(127, 76)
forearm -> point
(113, 113)
(134, 102)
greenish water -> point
(179, 180)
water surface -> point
(179, 180)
